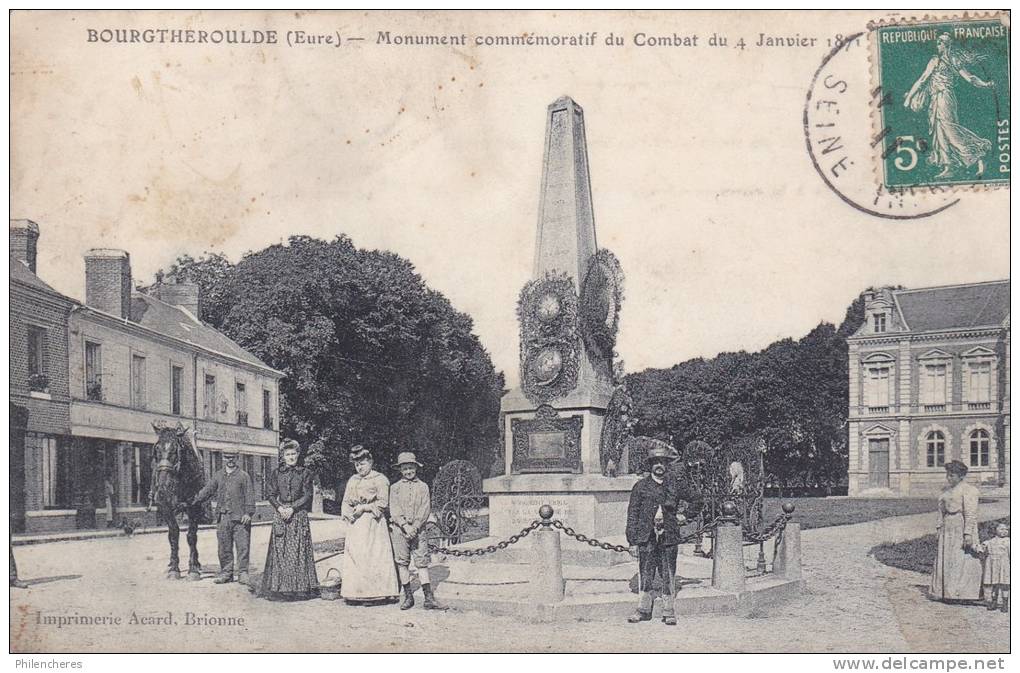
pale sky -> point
(701, 182)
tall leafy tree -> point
(371, 355)
(790, 398)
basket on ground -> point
(329, 587)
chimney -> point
(24, 235)
(108, 281)
(183, 295)
(868, 296)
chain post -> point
(546, 581)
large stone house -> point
(929, 383)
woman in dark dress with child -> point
(289, 571)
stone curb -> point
(601, 606)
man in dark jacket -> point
(235, 506)
(653, 532)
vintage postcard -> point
(510, 331)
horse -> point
(176, 478)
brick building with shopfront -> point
(132, 359)
(39, 396)
(929, 383)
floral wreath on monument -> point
(600, 301)
(550, 348)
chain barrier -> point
(774, 529)
(593, 542)
(492, 548)
(590, 541)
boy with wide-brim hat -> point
(410, 507)
(653, 531)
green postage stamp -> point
(941, 91)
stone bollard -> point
(547, 577)
(787, 563)
(728, 552)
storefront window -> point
(140, 467)
(49, 471)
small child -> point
(996, 577)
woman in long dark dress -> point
(289, 571)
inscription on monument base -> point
(547, 444)
(524, 509)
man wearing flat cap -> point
(410, 506)
(653, 531)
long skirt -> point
(290, 562)
(952, 144)
(957, 571)
(368, 572)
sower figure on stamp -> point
(653, 533)
(410, 506)
(235, 506)
(953, 145)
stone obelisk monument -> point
(568, 314)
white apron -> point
(368, 571)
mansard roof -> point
(951, 307)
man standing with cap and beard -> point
(653, 532)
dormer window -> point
(879, 323)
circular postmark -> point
(843, 148)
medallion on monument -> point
(550, 349)
(546, 443)
(601, 297)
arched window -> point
(936, 443)
(979, 448)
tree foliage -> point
(790, 399)
(209, 272)
(370, 354)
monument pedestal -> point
(552, 458)
(588, 503)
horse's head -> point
(178, 473)
(166, 451)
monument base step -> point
(491, 577)
(514, 598)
